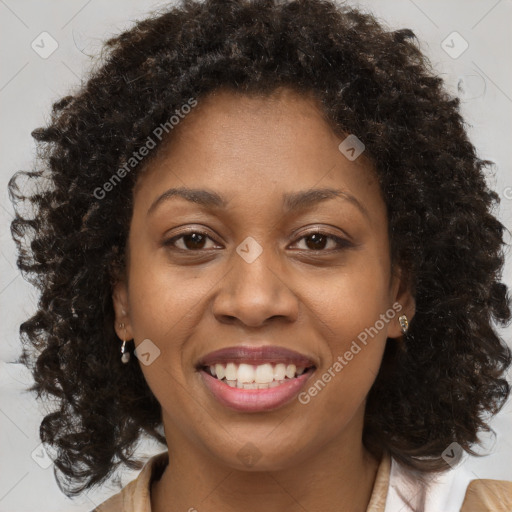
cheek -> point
(350, 300)
(348, 311)
(164, 298)
(164, 302)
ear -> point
(123, 326)
(403, 301)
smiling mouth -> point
(250, 376)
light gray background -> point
(29, 84)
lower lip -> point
(255, 400)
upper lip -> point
(255, 355)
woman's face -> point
(258, 276)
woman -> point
(261, 227)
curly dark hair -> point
(371, 81)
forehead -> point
(227, 121)
(258, 146)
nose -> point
(253, 293)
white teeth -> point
(220, 372)
(264, 374)
(231, 371)
(248, 376)
(245, 373)
(252, 385)
(290, 371)
(280, 371)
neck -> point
(340, 476)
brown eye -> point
(194, 241)
(317, 241)
(191, 241)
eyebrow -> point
(292, 201)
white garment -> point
(441, 493)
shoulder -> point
(486, 495)
(136, 496)
(452, 491)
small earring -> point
(125, 357)
(125, 354)
(404, 324)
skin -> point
(252, 150)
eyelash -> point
(342, 243)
